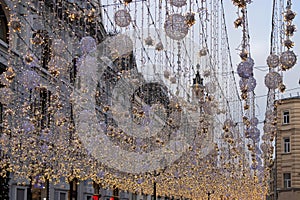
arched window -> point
(3, 24)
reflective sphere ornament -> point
(87, 44)
(288, 59)
(247, 85)
(245, 68)
(272, 80)
(176, 27)
(122, 18)
(254, 121)
(178, 3)
(273, 61)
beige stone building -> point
(287, 165)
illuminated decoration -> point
(272, 80)
(176, 27)
(178, 3)
(128, 94)
(159, 46)
(273, 61)
(247, 86)
(245, 68)
(122, 18)
(15, 24)
(281, 58)
(190, 19)
(288, 59)
(149, 41)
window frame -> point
(286, 145)
(5, 20)
(62, 192)
(287, 182)
(286, 117)
(21, 188)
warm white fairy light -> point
(43, 124)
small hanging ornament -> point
(159, 46)
(38, 39)
(167, 74)
(244, 55)
(122, 18)
(15, 24)
(203, 52)
(238, 22)
(10, 74)
(28, 58)
(290, 29)
(239, 3)
(288, 43)
(149, 41)
(190, 19)
(281, 87)
(289, 15)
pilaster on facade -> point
(288, 149)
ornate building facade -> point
(287, 165)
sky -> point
(259, 23)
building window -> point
(62, 196)
(286, 117)
(3, 25)
(287, 182)
(286, 145)
(88, 197)
(21, 194)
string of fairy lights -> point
(128, 93)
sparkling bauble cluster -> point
(176, 27)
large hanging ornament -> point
(178, 3)
(288, 59)
(273, 61)
(87, 44)
(254, 121)
(29, 79)
(247, 85)
(245, 68)
(272, 80)
(118, 46)
(122, 18)
(176, 27)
